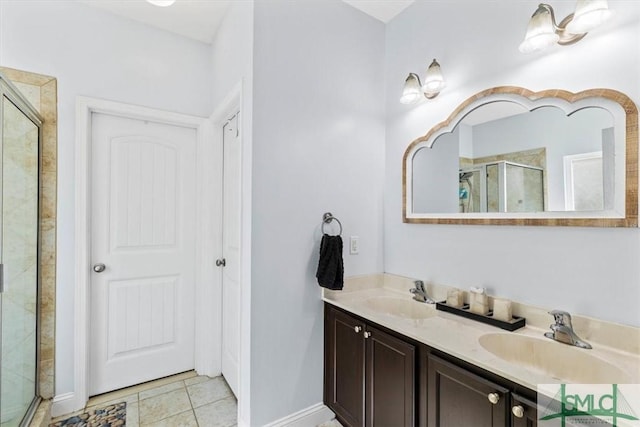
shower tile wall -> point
(19, 255)
(41, 92)
(536, 157)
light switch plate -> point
(354, 245)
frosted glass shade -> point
(434, 80)
(162, 3)
(540, 32)
(412, 92)
(588, 15)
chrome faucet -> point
(563, 330)
(420, 293)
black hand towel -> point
(330, 268)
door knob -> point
(99, 268)
(221, 262)
(518, 411)
(493, 398)
(357, 329)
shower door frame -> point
(11, 92)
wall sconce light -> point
(543, 31)
(433, 85)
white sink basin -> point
(400, 307)
(554, 359)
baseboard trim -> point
(64, 404)
(310, 417)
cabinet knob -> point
(99, 268)
(367, 334)
(357, 329)
(518, 411)
(493, 398)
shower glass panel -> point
(19, 258)
(525, 189)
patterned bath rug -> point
(109, 416)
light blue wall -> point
(318, 146)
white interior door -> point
(231, 253)
(143, 231)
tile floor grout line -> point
(193, 410)
(138, 411)
(161, 394)
(165, 418)
(168, 416)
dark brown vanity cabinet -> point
(369, 374)
(523, 412)
(344, 366)
(377, 378)
(457, 397)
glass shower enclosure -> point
(501, 186)
(19, 256)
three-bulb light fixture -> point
(414, 91)
(543, 31)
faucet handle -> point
(561, 317)
(420, 285)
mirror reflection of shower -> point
(465, 192)
(469, 190)
(501, 186)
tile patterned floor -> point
(184, 400)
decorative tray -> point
(515, 323)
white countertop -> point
(460, 337)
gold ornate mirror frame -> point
(630, 218)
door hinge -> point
(1, 278)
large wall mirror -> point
(514, 157)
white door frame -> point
(231, 104)
(207, 357)
(567, 161)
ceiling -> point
(200, 19)
(384, 10)
(196, 19)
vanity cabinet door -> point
(344, 367)
(457, 397)
(523, 412)
(390, 380)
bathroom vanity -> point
(407, 383)
(392, 361)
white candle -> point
(454, 298)
(478, 303)
(502, 309)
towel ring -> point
(327, 218)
